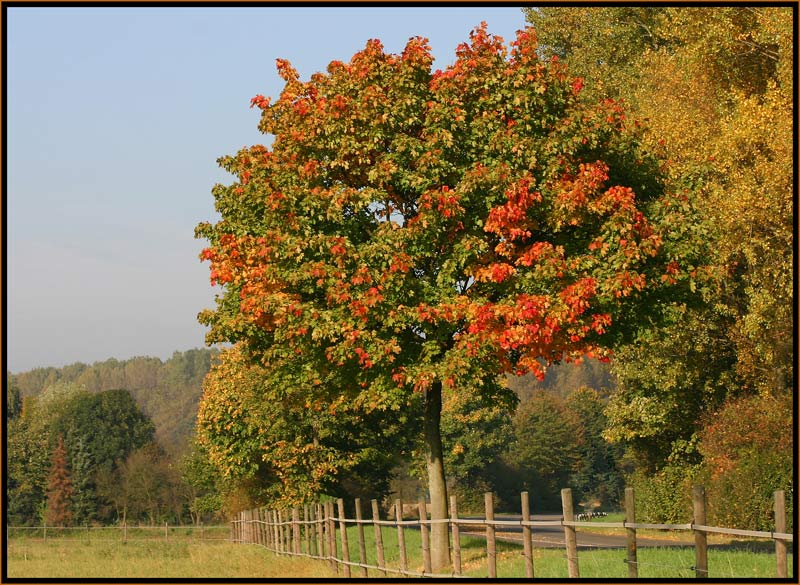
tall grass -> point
(59, 558)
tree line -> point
(104, 443)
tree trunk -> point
(440, 534)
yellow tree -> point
(713, 87)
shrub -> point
(665, 496)
(748, 451)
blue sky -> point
(116, 117)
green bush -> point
(665, 496)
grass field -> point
(28, 558)
(193, 559)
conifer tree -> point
(59, 488)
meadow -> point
(58, 558)
(184, 556)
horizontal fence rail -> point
(123, 532)
(312, 532)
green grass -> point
(745, 559)
(671, 563)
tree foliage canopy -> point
(407, 227)
(263, 431)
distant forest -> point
(169, 392)
(117, 440)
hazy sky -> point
(116, 117)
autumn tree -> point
(100, 430)
(269, 437)
(31, 442)
(59, 489)
(409, 230)
(748, 452)
(715, 85)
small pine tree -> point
(59, 489)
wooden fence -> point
(122, 532)
(312, 532)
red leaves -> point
(576, 297)
(363, 358)
(510, 220)
(286, 71)
(260, 101)
(338, 248)
(497, 272)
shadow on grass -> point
(753, 546)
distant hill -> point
(168, 392)
(562, 379)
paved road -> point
(553, 536)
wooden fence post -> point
(307, 528)
(376, 518)
(780, 526)
(630, 518)
(286, 527)
(296, 530)
(343, 536)
(286, 532)
(320, 526)
(425, 534)
(332, 553)
(362, 546)
(527, 540)
(491, 545)
(262, 526)
(401, 539)
(456, 536)
(257, 526)
(700, 538)
(256, 514)
(570, 538)
(270, 528)
(270, 537)
(276, 530)
(313, 547)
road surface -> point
(553, 536)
